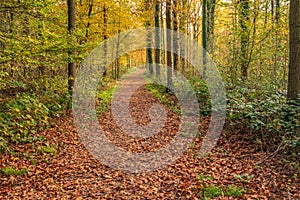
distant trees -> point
(247, 39)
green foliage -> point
(104, 97)
(3, 144)
(199, 87)
(266, 113)
(7, 171)
(211, 191)
(243, 177)
(21, 116)
(159, 92)
(49, 149)
(233, 191)
(203, 95)
(202, 177)
(27, 113)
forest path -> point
(73, 173)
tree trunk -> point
(175, 39)
(277, 14)
(183, 29)
(117, 62)
(163, 33)
(149, 54)
(211, 5)
(294, 63)
(91, 4)
(71, 27)
(169, 44)
(157, 38)
(204, 34)
(149, 58)
(244, 23)
(105, 38)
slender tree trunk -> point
(277, 18)
(91, 4)
(117, 67)
(169, 44)
(71, 27)
(175, 39)
(204, 34)
(234, 63)
(105, 37)
(149, 58)
(272, 9)
(183, 29)
(149, 54)
(277, 12)
(157, 38)
(211, 6)
(294, 63)
(163, 33)
(244, 23)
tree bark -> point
(175, 37)
(71, 27)
(157, 38)
(183, 29)
(169, 44)
(204, 34)
(149, 58)
(244, 23)
(294, 63)
(105, 37)
(211, 6)
(277, 14)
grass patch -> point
(233, 191)
(211, 191)
(159, 92)
(104, 99)
(7, 171)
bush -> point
(267, 114)
(26, 113)
(21, 116)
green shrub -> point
(21, 116)
(202, 94)
(267, 114)
(105, 98)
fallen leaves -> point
(74, 174)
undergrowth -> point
(26, 113)
(265, 111)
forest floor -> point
(68, 171)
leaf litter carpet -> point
(73, 173)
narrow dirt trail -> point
(73, 173)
